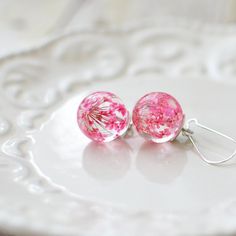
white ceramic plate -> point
(131, 171)
(54, 181)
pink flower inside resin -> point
(103, 117)
(158, 117)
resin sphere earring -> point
(103, 117)
(158, 117)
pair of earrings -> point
(157, 116)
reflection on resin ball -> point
(158, 117)
(102, 117)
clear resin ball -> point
(103, 117)
(158, 117)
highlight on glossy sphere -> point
(158, 116)
(103, 117)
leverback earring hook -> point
(186, 131)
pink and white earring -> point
(103, 117)
(158, 117)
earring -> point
(159, 117)
(103, 117)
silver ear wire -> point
(186, 131)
